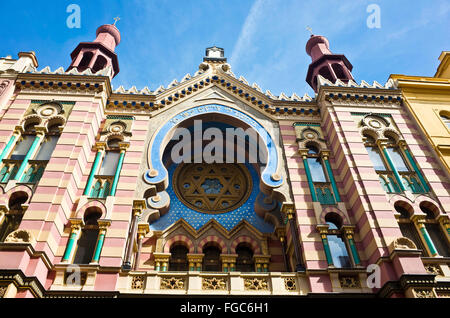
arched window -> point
(85, 61)
(321, 183)
(49, 144)
(178, 258)
(338, 248)
(211, 260)
(244, 261)
(14, 216)
(433, 227)
(339, 71)
(407, 227)
(109, 163)
(88, 239)
(325, 72)
(374, 153)
(446, 119)
(100, 64)
(396, 155)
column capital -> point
(41, 131)
(382, 142)
(348, 229)
(138, 206)
(280, 233)
(322, 228)
(99, 146)
(18, 130)
(325, 154)
(303, 152)
(104, 224)
(444, 219)
(76, 224)
(402, 144)
(419, 219)
(124, 146)
(143, 229)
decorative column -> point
(143, 229)
(75, 226)
(281, 234)
(323, 230)
(103, 225)
(161, 261)
(325, 155)
(403, 145)
(100, 147)
(195, 261)
(382, 145)
(12, 141)
(123, 147)
(228, 262)
(419, 221)
(262, 263)
(349, 235)
(138, 207)
(295, 238)
(445, 222)
(40, 134)
(308, 175)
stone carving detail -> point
(423, 293)
(137, 282)
(349, 282)
(290, 284)
(20, 236)
(256, 284)
(403, 243)
(214, 283)
(172, 283)
(434, 269)
(3, 291)
(3, 86)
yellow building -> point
(428, 99)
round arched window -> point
(212, 188)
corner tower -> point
(325, 63)
(99, 54)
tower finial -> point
(309, 29)
(116, 19)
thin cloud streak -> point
(250, 27)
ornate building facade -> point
(336, 194)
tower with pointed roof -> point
(325, 63)
(100, 53)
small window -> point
(47, 147)
(22, 147)
(397, 159)
(211, 260)
(316, 169)
(178, 258)
(244, 261)
(109, 164)
(446, 120)
(338, 248)
(375, 157)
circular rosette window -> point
(212, 188)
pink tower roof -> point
(108, 35)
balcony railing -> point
(102, 187)
(9, 169)
(233, 283)
(34, 171)
(409, 179)
(324, 193)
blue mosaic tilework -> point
(197, 219)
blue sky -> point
(264, 40)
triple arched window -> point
(30, 153)
(394, 165)
(424, 229)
